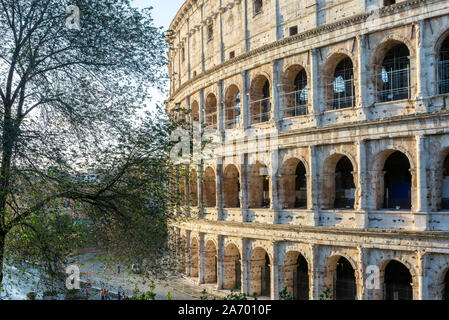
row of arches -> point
(391, 177)
(391, 79)
(339, 274)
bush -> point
(285, 295)
(31, 295)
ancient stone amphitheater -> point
(334, 121)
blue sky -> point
(163, 13)
(163, 10)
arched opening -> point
(389, 2)
(443, 67)
(397, 182)
(393, 79)
(344, 184)
(231, 179)
(194, 252)
(210, 262)
(295, 98)
(259, 186)
(232, 268)
(260, 273)
(193, 187)
(296, 275)
(257, 6)
(294, 184)
(445, 189)
(195, 113)
(209, 188)
(232, 107)
(211, 112)
(446, 286)
(260, 101)
(398, 282)
(345, 287)
(340, 87)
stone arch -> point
(340, 277)
(260, 98)
(194, 257)
(445, 284)
(211, 262)
(295, 91)
(210, 111)
(442, 180)
(209, 186)
(339, 182)
(231, 190)
(441, 50)
(232, 267)
(339, 87)
(295, 275)
(294, 174)
(391, 68)
(259, 182)
(260, 272)
(232, 105)
(380, 179)
(394, 277)
(195, 113)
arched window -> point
(294, 102)
(232, 107)
(398, 282)
(445, 189)
(393, 81)
(211, 111)
(443, 68)
(389, 2)
(341, 88)
(344, 185)
(258, 4)
(345, 287)
(260, 100)
(397, 182)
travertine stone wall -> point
(222, 47)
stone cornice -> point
(356, 19)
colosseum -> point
(331, 116)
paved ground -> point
(95, 270)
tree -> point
(69, 111)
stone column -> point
(361, 194)
(362, 292)
(314, 274)
(219, 188)
(246, 122)
(314, 93)
(312, 188)
(220, 262)
(422, 276)
(245, 267)
(220, 111)
(274, 271)
(421, 68)
(244, 188)
(201, 259)
(187, 251)
(362, 77)
(422, 209)
(275, 107)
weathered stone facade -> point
(354, 177)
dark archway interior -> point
(345, 288)
(301, 186)
(344, 185)
(301, 289)
(301, 88)
(443, 67)
(398, 182)
(398, 282)
(445, 189)
(266, 191)
(389, 2)
(395, 74)
(266, 277)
